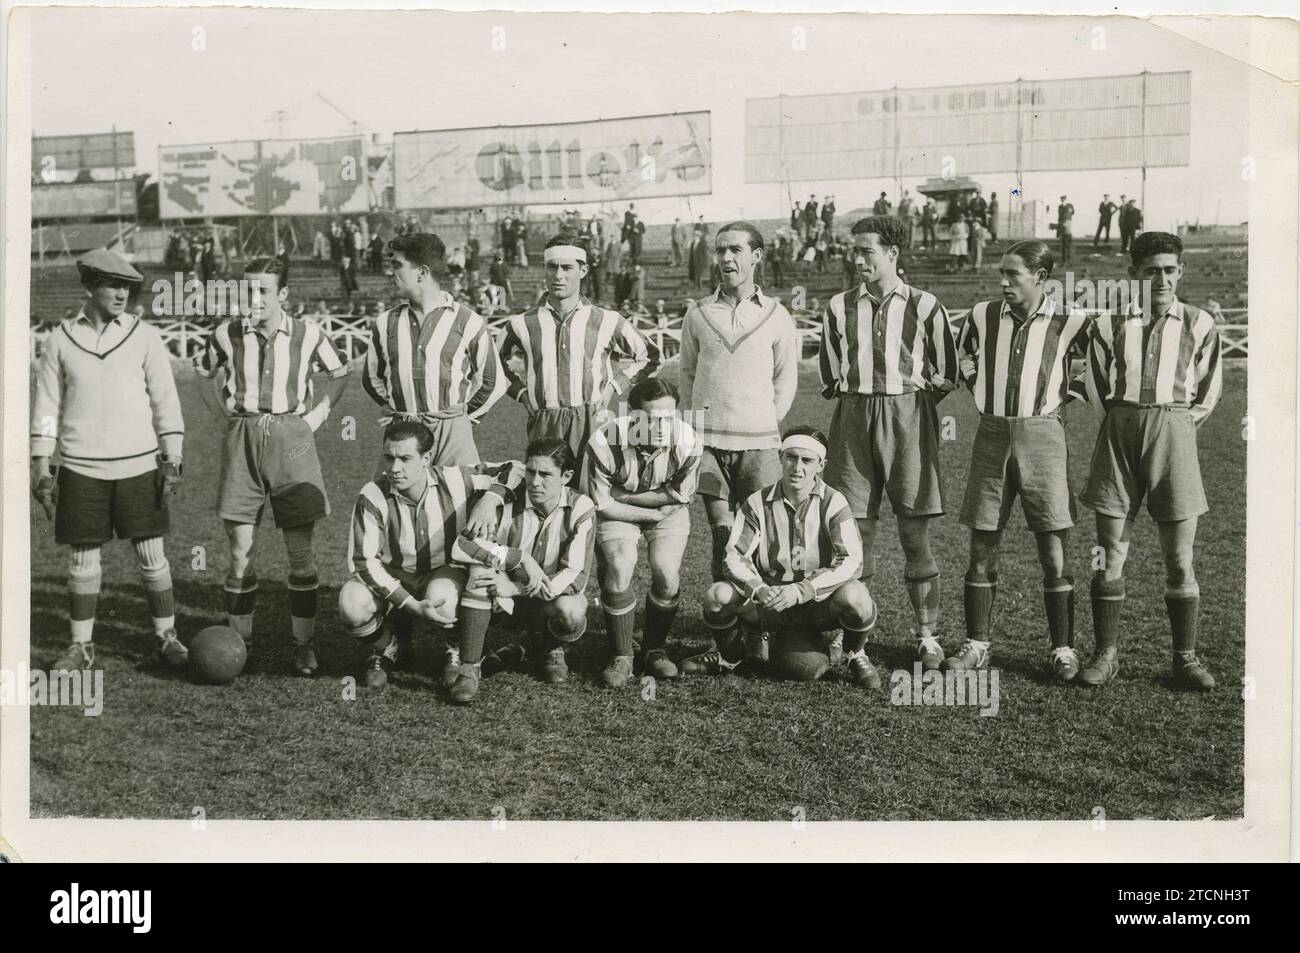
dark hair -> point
(1034, 254)
(755, 236)
(652, 388)
(807, 430)
(1154, 243)
(422, 249)
(403, 429)
(889, 230)
(269, 266)
(560, 239)
(553, 447)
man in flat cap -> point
(106, 400)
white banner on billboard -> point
(84, 200)
(1091, 123)
(603, 160)
(264, 177)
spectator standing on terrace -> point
(320, 246)
(993, 217)
(881, 205)
(698, 258)
(635, 237)
(905, 213)
(1104, 212)
(828, 213)
(1065, 229)
(979, 208)
(810, 215)
(927, 226)
(679, 241)
(957, 247)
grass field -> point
(274, 746)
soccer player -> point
(888, 357)
(569, 348)
(739, 374)
(404, 526)
(105, 398)
(1154, 367)
(792, 563)
(1015, 356)
(269, 449)
(430, 358)
(641, 472)
(533, 568)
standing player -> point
(1015, 356)
(739, 374)
(404, 526)
(888, 357)
(1154, 367)
(105, 398)
(431, 359)
(534, 567)
(641, 472)
(569, 347)
(269, 450)
(792, 562)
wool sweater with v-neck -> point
(739, 370)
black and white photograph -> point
(834, 422)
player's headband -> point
(571, 252)
(801, 441)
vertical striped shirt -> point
(1022, 366)
(814, 545)
(569, 362)
(620, 455)
(268, 375)
(1144, 361)
(897, 345)
(417, 536)
(563, 542)
(435, 364)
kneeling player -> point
(533, 567)
(641, 472)
(1154, 367)
(403, 528)
(792, 562)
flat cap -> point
(107, 264)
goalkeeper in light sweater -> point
(739, 373)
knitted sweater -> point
(739, 370)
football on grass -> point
(217, 655)
(799, 654)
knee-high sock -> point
(720, 534)
(241, 592)
(157, 575)
(923, 590)
(620, 619)
(978, 593)
(83, 591)
(303, 591)
(857, 631)
(472, 618)
(1058, 599)
(723, 627)
(659, 617)
(1107, 604)
(1184, 606)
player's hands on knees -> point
(483, 518)
(535, 580)
(787, 597)
(44, 488)
(430, 609)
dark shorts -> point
(91, 511)
(735, 475)
(271, 455)
(570, 424)
(1151, 452)
(1025, 457)
(882, 444)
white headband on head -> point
(574, 252)
(801, 441)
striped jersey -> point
(437, 364)
(897, 345)
(814, 545)
(620, 455)
(416, 536)
(268, 375)
(1144, 361)
(1022, 366)
(569, 362)
(563, 542)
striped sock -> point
(83, 591)
(924, 594)
(978, 594)
(303, 590)
(620, 619)
(659, 616)
(157, 575)
(1107, 604)
(241, 592)
(1058, 599)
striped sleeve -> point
(366, 545)
(503, 479)
(1209, 373)
(373, 380)
(746, 536)
(829, 358)
(488, 372)
(598, 471)
(510, 344)
(213, 355)
(1099, 363)
(1077, 389)
(683, 484)
(578, 550)
(325, 357)
(643, 354)
(486, 551)
(846, 551)
(940, 350)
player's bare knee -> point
(620, 567)
(357, 604)
(665, 581)
(445, 590)
(855, 604)
(721, 597)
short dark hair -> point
(806, 430)
(1034, 254)
(890, 230)
(560, 239)
(269, 266)
(1154, 243)
(652, 388)
(422, 249)
(404, 429)
(553, 447)
(755, 236)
